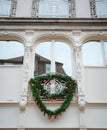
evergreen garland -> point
(39, 93)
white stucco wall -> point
(23, 8)
(82, 8)
(96, 117)
(36, 119)
(10, 83)
(95, 84)
(9, 115)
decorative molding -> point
(20, 128)
(35, 8)
(13, 8)
(72, 8)
(93, 8)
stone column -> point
(81, 96)
(27, 74)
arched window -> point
(11, 53)
(11, 70)
(53, 57)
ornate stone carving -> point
(35, 8)
(93, 8)
(72, 8)
(81, 97)
(82, 103)
(28, 49)
(13, 8)
(78, 52)
(22, 103)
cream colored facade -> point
(88, 110)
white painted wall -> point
(82, 8)
(36, 119)
(23, 8)
(95, 84)
(96, 117)
(10, 83)
(9, 116)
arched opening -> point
(11, 70)
(94, 55)
(49, 53)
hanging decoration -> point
(41, 93)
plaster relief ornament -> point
(54, 88)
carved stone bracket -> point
(22, 103)
(81, 102)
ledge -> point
(57, 24)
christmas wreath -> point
(39, 93)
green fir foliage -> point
(39, 93)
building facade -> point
(79, 24)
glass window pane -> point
(48, 68)
(53, 8)
(91, 54)
(5, 6)
(11, 52)
(63, 56)
(42, 58)
(101, 8)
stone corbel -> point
(22, 103)
(81, 102)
